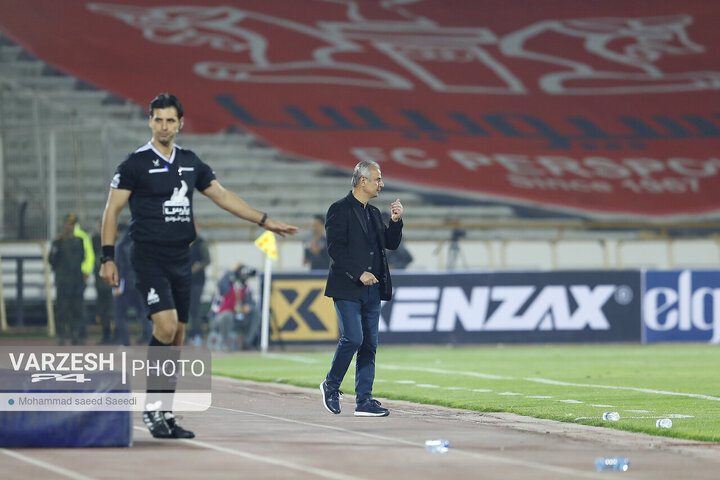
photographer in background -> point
(401, 257)
(315, 246)
(199, 260)
(234, 311)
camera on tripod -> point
(457, 234)
(243, 273)
(454, 252)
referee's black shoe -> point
(155, 421)
(175, 428)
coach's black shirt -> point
(162, 190)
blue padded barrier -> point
(83, 428)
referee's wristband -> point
(108, 253)
(262, 222)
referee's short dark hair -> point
(165, 100)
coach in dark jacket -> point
(359, 278)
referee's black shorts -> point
(163, 277)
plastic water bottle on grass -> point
(612, 463)
(437, 446)
(664, 423)
(612, 416)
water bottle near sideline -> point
(437, 446)
(612, 416)
(664, 423)
(612, 463)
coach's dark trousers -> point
(358, 322)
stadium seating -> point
(63, 137)
(92, 130)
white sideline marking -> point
(612, 387)
(548, 381)
(485, 457)
(47, 466)
(652, 417)
(529, 379)
(570, 401)
(442, 371)
(294, 358)
(539, 466)
(602, 406)
(259, 458)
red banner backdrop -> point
(606, 108)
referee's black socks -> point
(162, 359)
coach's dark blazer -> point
(349, 246)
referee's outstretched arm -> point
(227, 200)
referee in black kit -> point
(158, 179)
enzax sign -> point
(513, 307)
(442, 309)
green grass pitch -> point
(568, 383)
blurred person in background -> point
(234, 311)
(400, 258)
(315, 246)
(199, 260)
(104, 302)
(66, 258)
(128, 297)
(88, 266)
(89, 262)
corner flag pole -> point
(266, 243)
(266, 305)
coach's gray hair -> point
(362, 169)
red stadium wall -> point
(601, 108)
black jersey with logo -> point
(162, 190)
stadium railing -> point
(25, 280)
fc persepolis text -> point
(89, 362)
